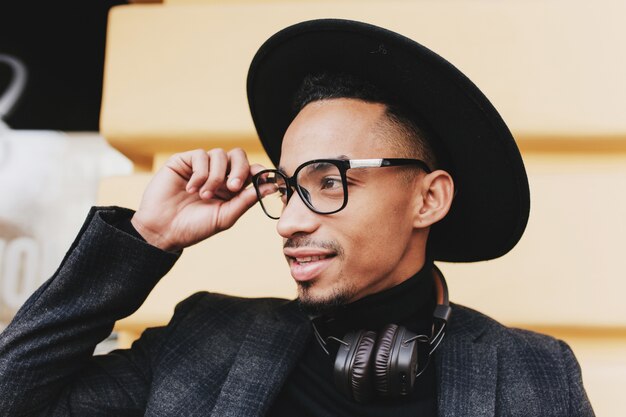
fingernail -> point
(206, 194)
(235, 182)
(192, 190)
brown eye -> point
(330, 183)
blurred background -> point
(108, 90)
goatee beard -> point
(321, 306)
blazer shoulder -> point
(483, 328)
(226, 308)
(206, 299)
(528, 362)
(206, 316)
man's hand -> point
(195, 195)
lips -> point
(307, 263)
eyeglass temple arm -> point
(365, 163)
(386, 162)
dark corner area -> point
(62, 44)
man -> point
(390, 160)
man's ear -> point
(435, 198)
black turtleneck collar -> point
(409, 303)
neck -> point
(412, 261)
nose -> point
(297, 218)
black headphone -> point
(386, 363)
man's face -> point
(371, 244)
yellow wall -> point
(175, 80)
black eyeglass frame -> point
(343, 165)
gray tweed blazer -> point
(228, 356)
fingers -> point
(216, 172)
(256, 168)
(218, 165)
(239, 169)
(236, 207)
(200, 169)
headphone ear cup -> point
(396, 362)
(382, 359)
(352, 372)
(362, 387)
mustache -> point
(307, 241)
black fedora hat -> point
(492, 203)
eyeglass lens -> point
(320, 186)
(272, 186)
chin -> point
(317, 301)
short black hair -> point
(326, 86)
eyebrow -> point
(342, 157)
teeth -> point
(309, 259)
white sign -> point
(48, 182)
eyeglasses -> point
(320, 183)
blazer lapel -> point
(272, 346)
(466, 371)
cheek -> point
(378, 236)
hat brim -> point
(490, 210)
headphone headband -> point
(442, 309)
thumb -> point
(237, 206)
